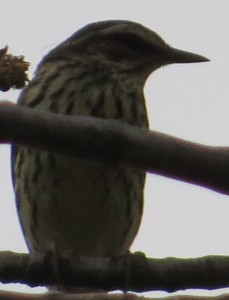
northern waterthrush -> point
(99, 71)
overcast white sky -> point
(188, 101)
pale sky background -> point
(188, 101)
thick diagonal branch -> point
(113, 143)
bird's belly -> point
(79, 206)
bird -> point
(99, 71)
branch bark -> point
(113, 143)
(131, 272)
(100, 296)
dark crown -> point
(126, 43)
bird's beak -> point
(181, 57)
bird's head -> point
(122, 44)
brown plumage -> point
(99, 71)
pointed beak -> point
(181, 57)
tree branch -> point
(131, 272)
(113, 143)
(6, 295)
